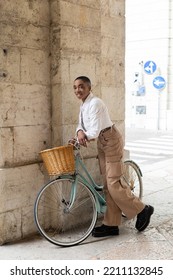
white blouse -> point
(93, 117)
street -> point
(148, 146)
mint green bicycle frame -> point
(85, 180)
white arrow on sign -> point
(159, 83)
(150, 67)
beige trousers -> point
(119, 198)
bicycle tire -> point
(59, 222)
(133, 177)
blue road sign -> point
(150, 67)
(159, 82)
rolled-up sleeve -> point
(79, 127)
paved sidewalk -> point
(156, 242)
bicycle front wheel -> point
(133, 177)
(65, 213)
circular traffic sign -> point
(150, 67)
(159, 82)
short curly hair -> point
(84, 79)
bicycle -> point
(67, 207)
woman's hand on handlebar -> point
(82, 138)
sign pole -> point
(159, 83)
(158, 116)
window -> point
(140, 110)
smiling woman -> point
(95, 123)
(82, 87)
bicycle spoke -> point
(133, 178)
(61, 223)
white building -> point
(149, 49)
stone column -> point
(113, 59)
(87, 38)
(24, 110)
(75, 50)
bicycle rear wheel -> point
(133, 177)
(65, 213)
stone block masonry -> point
(25, 109)
(44, 46)
(18, 189)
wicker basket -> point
(59, 160)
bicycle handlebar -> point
(74, 142)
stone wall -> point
(44, 46)
(24, 111)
